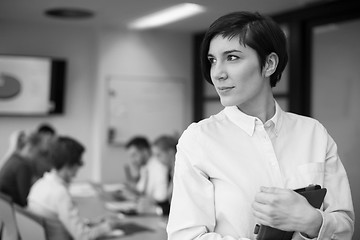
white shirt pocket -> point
(311, 173)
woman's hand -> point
(286, 210)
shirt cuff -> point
(325, 230)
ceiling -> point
(120, 12)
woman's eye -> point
(211, 60)
(232, 57)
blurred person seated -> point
(20, 169)
(139, 152)
(16, 143)
(49, 196)
(156, 180)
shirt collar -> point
(247, 122)
(242, 120)
(276, 119)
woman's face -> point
(236, 73)
(165, 157)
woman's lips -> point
(224, 89)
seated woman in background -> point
(22, 167)
(156, 180)
(49, 196)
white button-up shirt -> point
(222, 161)
(49, 197)
(154, 180)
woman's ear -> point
(271, 63)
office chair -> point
(36, 227)
(30, 226)
(9, 230)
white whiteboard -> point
(147, 106)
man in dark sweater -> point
(20, 170)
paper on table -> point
(113, 187)
(115, 233)
(82, 189)
(121, 206)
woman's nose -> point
(218, 72)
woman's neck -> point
(264, 108)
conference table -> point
(95, 202)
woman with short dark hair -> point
(238, 168)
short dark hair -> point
(139, 142)
(46, 128)
(65, 151)
(166, 143)
(259, 32)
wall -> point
(148, 54)
(92, 55)
(336, 94)
(77, 46)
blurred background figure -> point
(139, 152)
(16, 143)
(23, 167)
(46, 129)
(50, 197)
(17, 140)
(156, 180)
(43, 164)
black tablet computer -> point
(314, 194)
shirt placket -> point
(264, 133)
